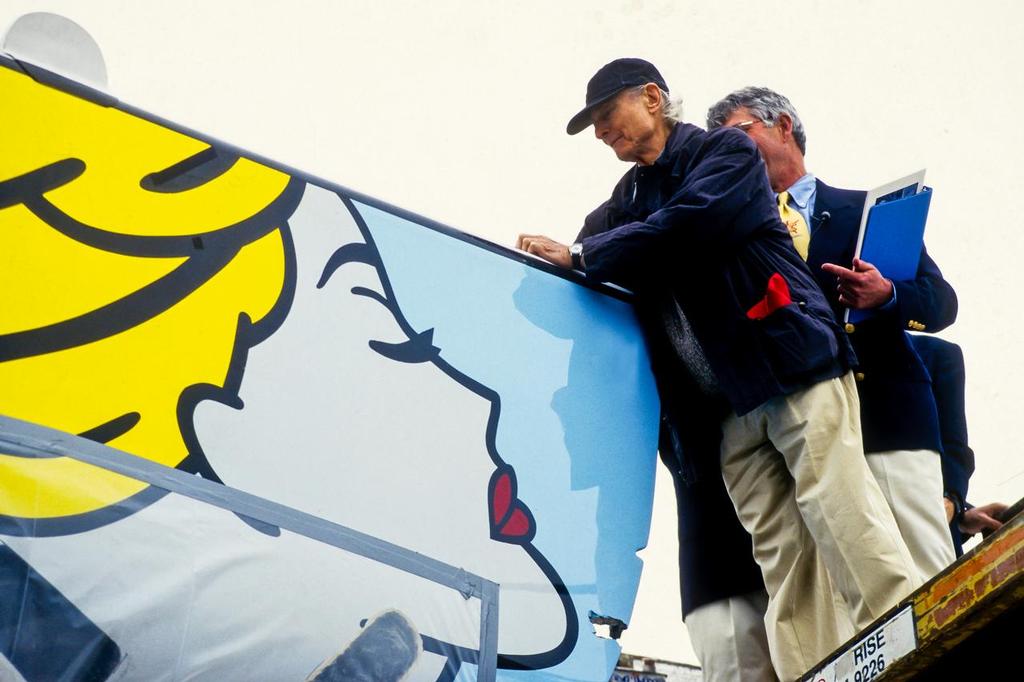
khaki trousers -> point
(729, 639)
(795, 470)
(911, 481)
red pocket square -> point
(776, 297)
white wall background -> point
(457, 110)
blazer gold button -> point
(849, 328)
(859, 376)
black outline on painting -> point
(206, 254)
(459, 655)
(202, 249)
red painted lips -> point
(511, 520)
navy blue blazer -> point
(716, 554)
(898, 410)
(945, 363)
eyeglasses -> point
(745, 125)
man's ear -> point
(652, 97)
(785, 125)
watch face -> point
(576, 253)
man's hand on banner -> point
(546, 248)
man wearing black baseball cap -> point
(610, 80)
(744, 347)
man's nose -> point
(600, 130)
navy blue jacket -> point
(897, 408)
(945, 363)
(701, 223)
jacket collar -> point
(680, 146)
(831, 198)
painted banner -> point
(238, 326)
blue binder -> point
(893, 238)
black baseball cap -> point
(610, 80)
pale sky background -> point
(457, 111)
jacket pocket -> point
(796, 343)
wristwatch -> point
(576, 253)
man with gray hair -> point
(898, 415)
(743, 345)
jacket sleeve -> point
(698, 218)
(926, 300)
(945, 363)
(599, 220)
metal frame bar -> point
(25, 439)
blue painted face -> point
(578, 404)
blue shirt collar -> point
(801, 191)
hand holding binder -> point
(892, 231)
(862, 286)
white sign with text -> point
(869, 657)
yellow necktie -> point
(796, 225)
